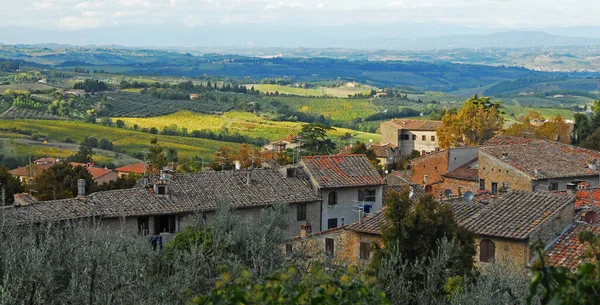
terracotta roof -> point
(399, 177)
(516, 214)
(46, 160)
(186, 193)
(370, 224)
(542, 159)
(568, 251)
(507, 140)
(417, 124)
(342, 171)
(24, 171)
(98, 172)
(137, 168)
(381, 151)
(468, 171)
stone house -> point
(347, 184)
(535, 165)
(409, 135)
(453, 169)
(505, 226)
(167, 204)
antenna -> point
(469, 196)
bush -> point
(68, 140)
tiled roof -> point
(342, 171)
(567, 251)
(137, 168)
(462, 209)
(381, 151)
(186, 193)
(98, 172)
(507, 140)
(417, 124)
(467, 171)
(542, 159)
(516, 214)
(35, 169)
(46, 160)
(399, 177)
(370, 224)
(417, 190)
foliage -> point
(91, 85)
(123, 182)
(558, 285)
(156, 157)
(361, 148)
(555, 129)
(60, 182)
(316, 287)
(9, 185)
(315, 141)
(476, 122)
(86, 149)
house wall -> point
(389, 133)
(107, 177)
(346, 245)
(457, 184)
(433, 166)
(347, 201)
(542, 185)
(407, 146)
(507, 250)
(494, 170)
(460, 156)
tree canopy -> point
(11, 185)
(60, 182)
(555, 129)
(315, 141)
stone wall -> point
(433, 166)
(507, 250)
(494, 170)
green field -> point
(126, 140)
(4, 105)
(24, 87)
(548, 113)
(335, 109)
(341, 91)
(244, 123)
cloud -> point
(78, 23)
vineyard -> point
(334, 109)
(124, 140)
(22, 113)
(341, 91)
(183, 119)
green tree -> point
(362, 149)
(315, 141)
(10, 184)
(60, 181)
(86, 149)
(120, 123)
(156, 157)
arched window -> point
(332, 198)
(487, 251)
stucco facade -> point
(410, 135)
(345, 210)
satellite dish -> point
(590, 217)
(448, 193)
(428, 189)
(386, 172)
(469, 196)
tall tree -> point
(477, 121)
(60, 181)
(86, 149)
(156, 157)
(10, 185)
(315, 141)
(555, 129)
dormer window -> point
(160, 189)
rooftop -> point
(515, 214)
(342, 171)
(417, 124)
(35, 169)
(186, 193)
(568, 251)
(370, 224)
(507, 140)
(541, 159)
(467, 171)
(137, 168)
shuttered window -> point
(487, 251)
(329, 246)
(365, 250)
(301, 211)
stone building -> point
(346, 183)
(167, 204)
(409, 135)
(535, 165)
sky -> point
(242, 15)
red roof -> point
(417, 124)
(507, 140)
(342, 171)
(46, 160)
(137, 168)
(568, 251)
(98, 172)
(24, 171)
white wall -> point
(347, 204)
(407, 146)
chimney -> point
(425, 179)
(305, 229)
(505, 156)
(592, 165)
(248, 177)
(572, 188)
(80, 188)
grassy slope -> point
(341, 92)
(24, 87)
(123, 139)
(236, 121)
(335, 109)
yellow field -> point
(341, 91)
(183, 119)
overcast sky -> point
(79, 14)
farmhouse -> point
(410, 135)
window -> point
(164, 223)
(414, 137)
(423, 138)
(143, 225)
(329, 246)
(487, 251)
(553, 186)
(161, 189)
(370, 195)
(403, 137)
(301, 211)
(433, 138)
(365, 250)
(482, 184)
(494, 188)
(332, 198)
(288, 248)
(361, 195)
(331, 223)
